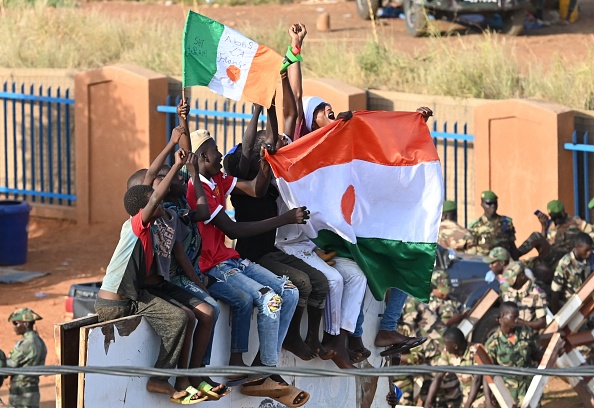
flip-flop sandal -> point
(402, 347)
(208, 389)
(187, 399)
(268, 388)
(329, 354)
(235, 380)
(293, 393)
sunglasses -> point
(17, 323)
(490, 202)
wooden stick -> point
(480, 308)
(538, 383)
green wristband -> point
(290, 58)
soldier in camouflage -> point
(448, 310)
(491, 229)
(497, 259)
(571, 272)
(531, 299)
(29, 351)
(451, 389)
(556, 236)
(513, 345)
(451, 234)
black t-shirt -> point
(252, 209)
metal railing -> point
(450, 146)
(37, 144)
(581, 170)
(226, 121)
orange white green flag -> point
(228, 62)
(374, 188)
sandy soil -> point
(71, 254)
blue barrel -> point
(14, 222)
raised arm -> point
(247, 143)
(183, 110)
(235, 230)
(163, 187)
(289, 107)
(297, 33)
(201, 212)
(156, 165)
(258, 186)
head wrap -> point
(309, 106)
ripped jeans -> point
(243, 284)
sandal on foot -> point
(208, 389)
(268, 388)
(289, 398)
(359, 355)
(187, 399)
(242, 379)
(403, 347)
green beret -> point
(449, 205)
(488, 195)
(555, 207)
(441, 280)
(591, 203)
(24, 314)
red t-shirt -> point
(143, 232)
(214, 250)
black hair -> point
(136, 178)
(259, 141)
(136, 198)
(231, 161)
(583, 239)
(450, 215)
(508, 306)
(455, 334)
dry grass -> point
(41, 37)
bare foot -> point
(341, 356)
(315, 345)
(163, 387)
(296, 346)
(385, 338)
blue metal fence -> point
(581, 178)
(38, 144)
(227, 120)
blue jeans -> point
(389, 320)
(393, 311)
(189, 286)
(240, 283)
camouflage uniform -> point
(453, 235)
(29, 351)
(562, 236)
(531, 299)
(444, 308)
(516, 354)
(488, 234)
(570, 274)
(2, 364)
(455, 387)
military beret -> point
(497, 254)
(441, 280)
(488, 195)
(511, 272)
(555, 207)
(449, 205)
(24, 314)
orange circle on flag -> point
(233, 73)
(347, 204)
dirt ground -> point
(71, 254)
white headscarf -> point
(309, 106)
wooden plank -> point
(585, 392)
(480, 308)
(572, 306)
(580, 339)
(496, 383)
(538, 383)
(66, 340)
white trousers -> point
(347, 285)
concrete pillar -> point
(519, 155)
(118, 131)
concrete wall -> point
(132, 342)
(118, 131)
(520, 156)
